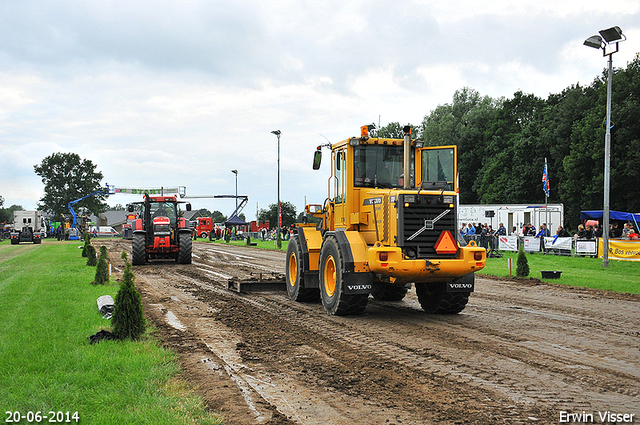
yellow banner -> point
(621, 249)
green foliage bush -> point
(87, 243)
(91, 256)
(128, 313)
(102, 270)
(522, 268)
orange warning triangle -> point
(446, 243)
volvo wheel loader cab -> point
(390, 221)
(160, 231)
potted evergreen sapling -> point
(522, 268)
(102, 269)
(91, 256)
(128, 313)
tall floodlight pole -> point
(236, 173)
(277, 133)
(606, 41)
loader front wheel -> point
(435, 299)
(334, 300)
(295, 276)
(139, 249)
(184, 248)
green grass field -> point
(47, 312)
(259, 243)
(620, 276)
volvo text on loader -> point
(380, 232)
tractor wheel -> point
(294, 275)
(139, 249)
(386, 292)
(435, 299)
(184, 248)
(334, 300)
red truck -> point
(204, 226)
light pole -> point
(277, 133)
(236, 173)
(607, 38)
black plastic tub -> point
(550, 274)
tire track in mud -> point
(570, 371)
(503, 373)
(516, 352)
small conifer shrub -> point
(128, 313)
(87, 243)
(91, 256)
(522, 268)
(102, 270)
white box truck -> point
(27, 227)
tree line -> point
(502, 144)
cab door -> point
(438, 164)
(338, 187)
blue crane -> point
(74, 233)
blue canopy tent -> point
(613, 215)
(234, 220)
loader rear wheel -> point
(139, 249)
(184, 248)
(334, 300)
(294, 275)
(435, 299)
(386, 292)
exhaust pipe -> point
(406, 184)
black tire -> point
(386, 292)
(203, 235)
(139, 249)
(295, 275)
(37, 240)
(184, 248)
(435, 299)
(334, 300)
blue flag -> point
(545, 179)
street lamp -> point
(605, 41)
(236, 173)
(277, 133)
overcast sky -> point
(166, 93)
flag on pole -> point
(545, 179)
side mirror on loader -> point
(317, 159)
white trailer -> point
(513, 215)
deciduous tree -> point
(67, 177)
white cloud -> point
(181, 93)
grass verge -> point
(259, 243)
(620, 276)
(47, 312)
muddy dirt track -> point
(520, 353)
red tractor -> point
(161, 232)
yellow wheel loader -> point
(389, 221)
